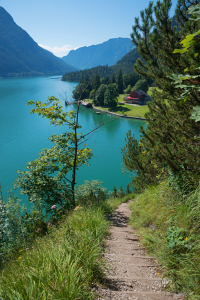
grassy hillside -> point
(168, 223)
(64, 264)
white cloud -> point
(60, 52)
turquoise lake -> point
(23, 135)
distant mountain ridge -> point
(125, 64)
(21, 55)
(107, 53)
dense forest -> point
(125, 64)
(90, 87)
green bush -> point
(168, 222)
(128, 90)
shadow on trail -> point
(118, 219)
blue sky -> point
(61, 25)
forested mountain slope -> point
(125, 63)
(107, 53)
(21, 55)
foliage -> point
(115, 192)
(195, 113)
(96, 81)
(128, 89)
(110, 96)
(3, 225)
(107, 80)
(92, 94)
(169, 225)
(126, 65)
(80, 90)
(170, 139)
(119, 81)
(45, 182)
(189, 82)
(177, 239)
(99, 95)
(121, 192)
(113, 80)
(137, 160)
(141, 84)
(128, 191)
(125, 109)
(18, 227)
(89, 192)
(71, 255)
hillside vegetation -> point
(20, 55)
(107, 53)
(164, 165)
(166, 161)
(125, 64)
(66, 263)
(124, 109)
(168, 223)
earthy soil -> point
(132, 274)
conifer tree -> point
(113, 80)
(107, 80)
(170, 140)
(156, 40)
(119, 82)
(96, 81)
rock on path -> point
(132, 274)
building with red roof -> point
(137, 97)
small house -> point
(137, 97)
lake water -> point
(23, 135)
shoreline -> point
(112, 113)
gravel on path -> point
(132, 274)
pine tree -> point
(156, 40)
(113, 80)
(121, 192)
(128, 190)
(107, 80)
(119, 82)
(96, 81)
(169, 142)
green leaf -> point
(195, 113)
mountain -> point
(125, 63)
(21, 55)
(107, 53)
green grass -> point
(112, 203)
(64, 264)
(169, 226)
(124, 108)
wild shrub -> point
(168, 222)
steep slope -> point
(125, 63)
(107, 53)
(21, 55)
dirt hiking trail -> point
(132, 274)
